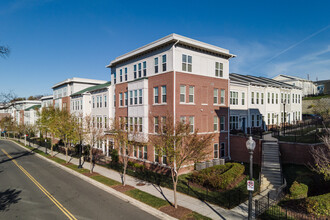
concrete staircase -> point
(271, 173)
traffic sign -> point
(250, 185)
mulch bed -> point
(178, 213)
(122, 188)
(91, 174)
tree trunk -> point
(66, 152)
(124, 171)
(175, 182)
(91, 159)
(51, 145)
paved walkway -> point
(204, 208)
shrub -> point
(218, 177)
(319, 205)
(298, 190)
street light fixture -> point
(250, 145)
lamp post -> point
(250, 145)
(80, 150)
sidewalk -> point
(204, 208)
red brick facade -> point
(238, 151)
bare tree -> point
(125, 138)
(322, 108)
(4, 51)
(93, 133)
(180, 145)
(321, 156)
(7, 97)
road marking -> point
(57, 203)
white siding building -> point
(258, 102)
(308, 87)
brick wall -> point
(297, 153)
(238, 151)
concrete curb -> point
(141, 205)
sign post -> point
(250, 185)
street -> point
(32, 188)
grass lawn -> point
(75, 168)
(105, 180)
(316, 97)
(146, 198)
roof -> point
(260, 81)
(172, 38)
(294, 78)
(32, 107)
(92, 88)
(46, 97)
(78, 80)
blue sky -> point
(51, 40)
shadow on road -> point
(8, 197)
(15, 156)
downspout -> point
(174, 95)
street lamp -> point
(80, 151)
(250, 145)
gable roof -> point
(32, 107)
(92, 88)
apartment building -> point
(47, 101)
(308, 87)
(259, 102)
(95, 101)
(63, 90)
(174, 76)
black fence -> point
(277, 212)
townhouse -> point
(174, 76)
(259, 102)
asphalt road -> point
(25, 189)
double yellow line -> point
(57, 203)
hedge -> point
(319, 205)
(218, 177)
(298, 190)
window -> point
(135, 151)
(131, 97)
(100, 101)
(222, 123)
(156, 95)
(140, 152)
(258, 120)
(126, 98)
(140, 70)
(233, 122)
(182, 93)
(97, 101)
(156, 124)
(114, 100)
(186, 63)
(105, 122)
(135, 97)
(183, 119)
(126, 123)
(216, 150)
(191, 123)
(140, 96)
(268, 99)
(222, 149)
(163, 123)
(298, 98)
(262, 98)
(272, 98)
(273, 118)
(215, 96)
(144, 68)
(81, 104)
(140, 124)
(218, 69)
(288, 99)
(156, 156)
(191, 94)
(252, 120)
(257, 101)
(243, 98)
(252, 98)
(222, 96)
(120, 99)
(164, 157)
(135, 71)
(163, 94)
(268, 118)
(164, 62)
(292, 98)
(156, 65)
(105, 101)
(136, 124)
(114, 78)
(234, 98)
(125, 73)
(121, 75)
(145, 152)
(281, 97)
(285, 95)
(215, 123)
(276, 98)
(131, 123)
